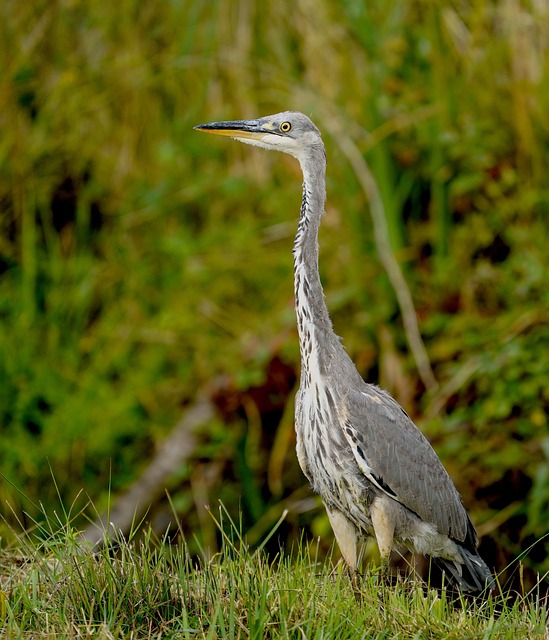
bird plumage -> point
(376, 472)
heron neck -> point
(313, 320)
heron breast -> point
(325, 455)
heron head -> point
(289, 131)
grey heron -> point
(375, 471)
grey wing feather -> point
(402, 461)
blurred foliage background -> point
(141, 261)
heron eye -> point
(285, 127)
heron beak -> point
(238, 129)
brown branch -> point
(173, 452)
(388, 259)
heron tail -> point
(471, 577)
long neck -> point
(309, 296)
(318, 342)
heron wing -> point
(393, 453)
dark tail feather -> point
(473, 576)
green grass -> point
(50, 587)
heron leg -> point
(346, 536)
(383, 522)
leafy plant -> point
(138, 264)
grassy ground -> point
(152, 589)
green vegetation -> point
(152, 589)
(141, 263)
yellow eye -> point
(285, 127)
